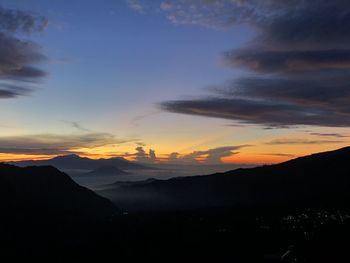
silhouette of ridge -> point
(321, 179)
(74, 161)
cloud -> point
(267, 113)
(285, 23)
(289, 61)
(210, 156)
(279, 154)
(166, 5)
(308, 24)
(11, 91)
(301, 141)
(18, 57)
(53, 144)
(19, 21)
(76, 125)
(337, 135)
(214, 14)
(299, 59)
(135, 5)
(143, 157)
(173, 157)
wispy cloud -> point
(77, 126)
(279, 154)
(337, 135)
(53, 144)
(135, 5)
(301, 141)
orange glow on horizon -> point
(259, 154)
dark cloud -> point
(289, 61)
(302, 56)
(330, 87)
(210, 156)
(337, 135)
(300, 35)
(297, 99)
(19, 57)
(279, 154)
(11, 91)
(268, 113)
(292, 23)
(307, 24)
(301, 141)
(143, 157)
(287, 24)
(19, 21)
(54, 143)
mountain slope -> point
(321, 179)
(45, 192)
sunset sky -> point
(242, 81)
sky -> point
(187, 82)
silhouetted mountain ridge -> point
(321, 179)
(73, 161)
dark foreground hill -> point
(318, 180)
(34, 192)
(46, 215)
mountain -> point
(321, 179)
(45, 192)
(73, 161)
(106, 171)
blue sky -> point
(106, 58)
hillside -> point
(35, 192)
(321, 179)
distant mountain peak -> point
(74, 161)
(69, 156)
